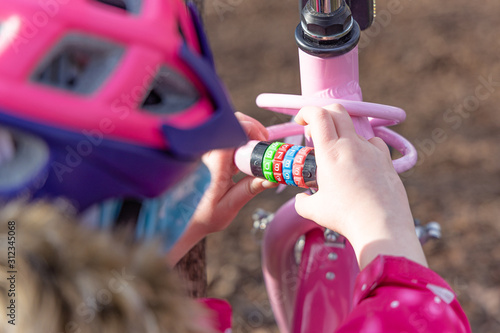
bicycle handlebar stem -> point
(326, 6)
(327, 28)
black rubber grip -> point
(309, 171)
(256, 158)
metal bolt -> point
(326, 6)
(330, 236)
(332, 256)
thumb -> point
(380, 144)
(304, 205)
(244, 190)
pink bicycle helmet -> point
(106, 98)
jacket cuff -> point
(399, 271)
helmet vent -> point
(7, 146)
(170, 92)
(79, 64)
(28, 156)
(131, 6)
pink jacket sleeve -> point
(220, 313)
(394, 294)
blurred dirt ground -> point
(439, 60)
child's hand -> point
(224, 198)
(360, 194)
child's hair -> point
(72, 279)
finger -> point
(342, 119)
(380, 144)
(244, 190)
(303, 206)
(256, 126)
(253, 132)
(320, 124)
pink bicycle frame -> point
(315, 296)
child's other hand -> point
(360, 194)
(224, 198)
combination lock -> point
(278, 162)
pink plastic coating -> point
(284, 130)
(402, 145)
(291, 104)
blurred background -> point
(438, 60)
